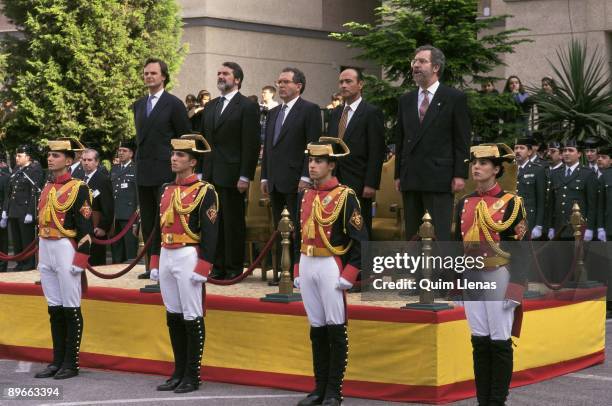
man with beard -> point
(432, 145)
(230, 124)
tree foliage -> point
(471, 47)
(581, 104)
(76, 66)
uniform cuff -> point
(350, 273)
(514, 291)
(154, 263)
(296, 270)
(203, 267)
(81, 260)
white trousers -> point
(60, 286)
(488, 317)
(324, 303)
(179, 292)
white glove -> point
(3, 222)
(588, 235)
(536, 232)
(28, 219)
(4, 216)
(343, 284)
(510, 304)
(154, 274)
(296, 282)
(197, 278)
(76, 270)
(601, 234)
(551, 233)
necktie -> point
(521, 171)
(568, 172)
(219, 108)
(150, 105)
(279, 123)
(424, 105)
(343, 121)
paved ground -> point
(592, 386)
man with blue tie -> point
(290, 127)
(158, 118)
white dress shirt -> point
(431, 91)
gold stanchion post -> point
(580, 276)
(285, 286)
(426, 297)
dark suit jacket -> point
(284, 163)
(430, 154)
(153, 134)
(365, 137)
(234, 140)
(102, 192)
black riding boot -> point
(195, 347)
(338, 342)
(74, 332)
(58, 336)
(320, 363)
(481, 351)
(178, 339)
(501, 371)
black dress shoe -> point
(186, 387)
(65, 373)
(170, 384)
(145, 275)
(312, 399)
(331, 402)
(48, 372)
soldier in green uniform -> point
(123, 178)
(531, 185)
(569, 184)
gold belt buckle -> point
(169, 239)
(46, 231)
(310, 250)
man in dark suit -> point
(123, 178)
(432, 145)
(102, 206)
(361, 126)
(158, 118)
(20, 201)
(290, 127)
(230, 124)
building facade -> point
(551, 24)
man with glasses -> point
(290, 127)
(433, 135)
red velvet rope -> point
(119, 236)
(572, 271)
(26, 253)
(126, 269)
(251, 267)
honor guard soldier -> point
(604, 206)
(531, 186)
(331, 230)
(125, 196)
(591, 153)
(184, 244)
(572, 183)
(488, 220)
(65, 229)
(4, 177)
(20, 204)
